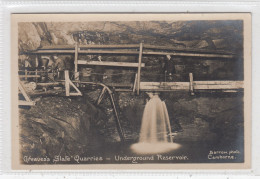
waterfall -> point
(155, 134)
(155, 123)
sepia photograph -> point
(130, 90)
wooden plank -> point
(105, 63)
(219, 82)
(75, 94)
(29, 76)
(126, 52)
(53, 52)
(164, 86)
(49, 84)
(118, 46)
(131, 52)
(122, 46)
(36, 71)
(209, 87)
(139, 68)
(147, 46)
(183, 54)
(197, 85)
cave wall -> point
(197, 115)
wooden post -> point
(191, 84)
(101, 95)
(21, 88)
(76, 62)
(36, 79)
(134, 87)
(25, 74)
(67, 82)
(139, 67)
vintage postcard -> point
(131, 91)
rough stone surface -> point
(59, 126)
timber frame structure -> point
(138, 50)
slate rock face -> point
(59, 126)
(226, 35)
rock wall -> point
(60, 126)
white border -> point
(10, 6)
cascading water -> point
(155, 133)
(155, 124)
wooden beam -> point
(134, 87)
(136, 46)
(28, 101)
(191, 84)
(101, 95)
(240, 83)
(120, 46)
(36, 73)
(132, 52)
(93, 46)
(126, 52)
(147, 46)
(25, 75)
(197, 85)
(48, 84)
(78, 93)
(218, 84)
(76, 62)
(75, 94)
(21, 88)
(184, 54)
(164, 86)
(60, 51)
(139, 68)
(67, 83)
(29, 76)
(106, 63)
